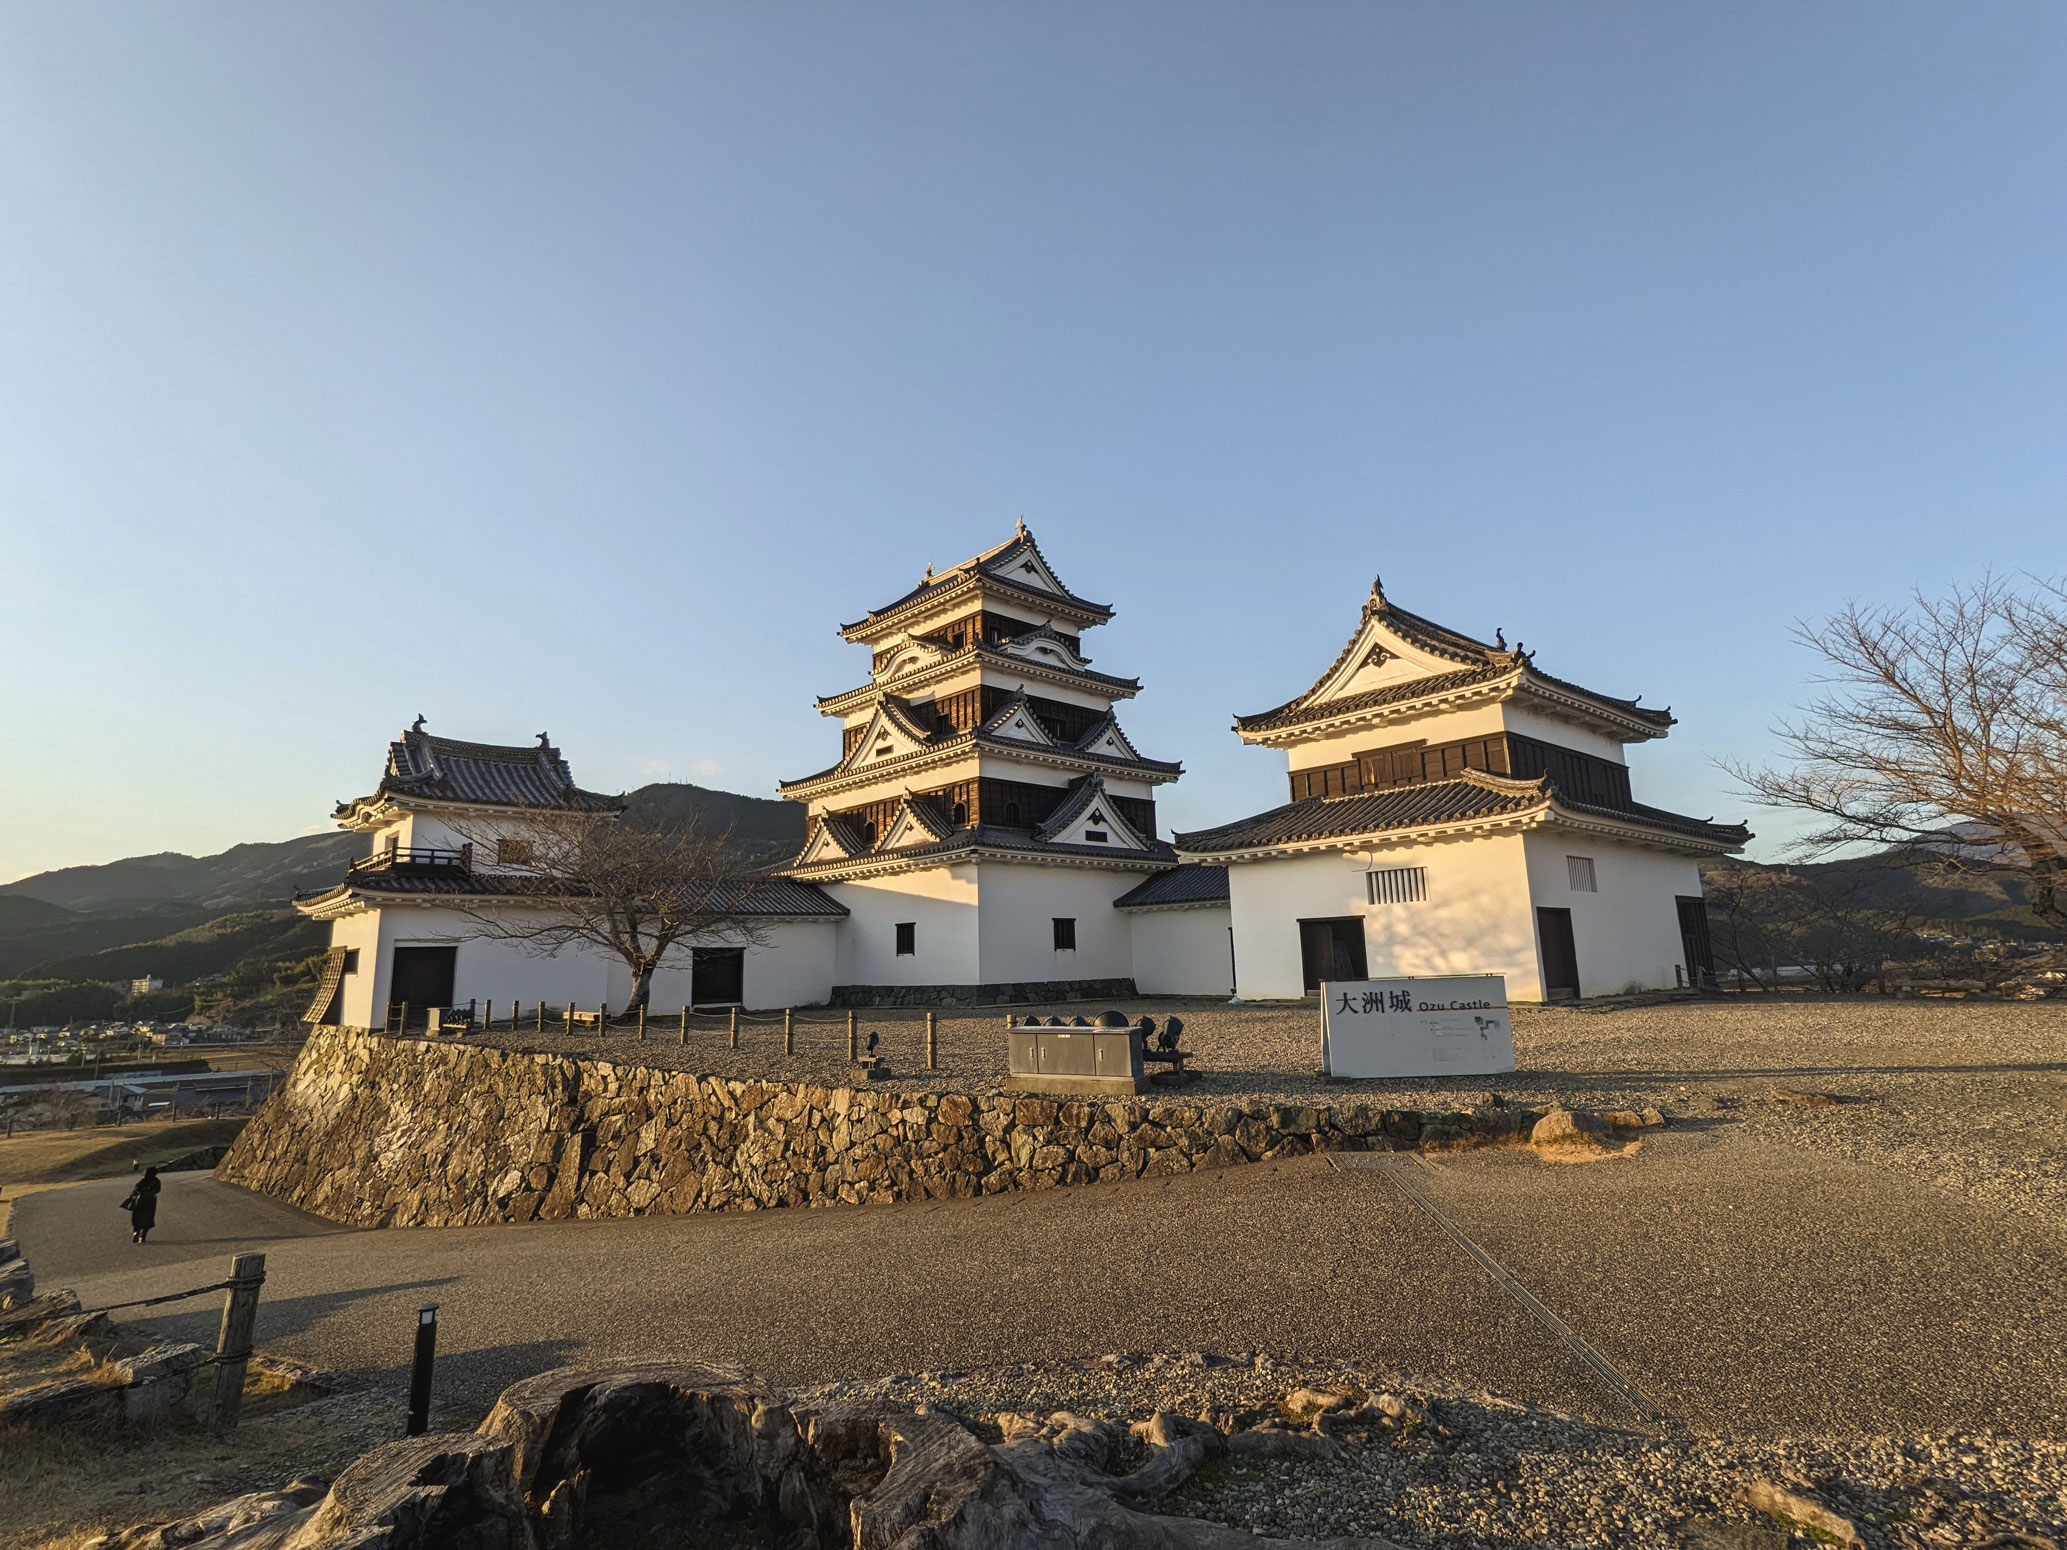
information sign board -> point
(1453, 1026)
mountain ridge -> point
(262, 872)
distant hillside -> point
(216, 946)
(251, 876)
(241, 877)
(761, 824)
(66, 924)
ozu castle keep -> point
(988, 834)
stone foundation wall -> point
(378, 1131)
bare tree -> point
(1943, 731)
(641, 893)
(1841, 926)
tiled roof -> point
(995, 563)
(1427, 806)
(988, 837)
(1297, 712)
(964, 741)
(443, 769)
(995, 658)
(1192, 883)
(1479, 663)
(1402, 807)
(768, 895)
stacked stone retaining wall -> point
(376, 1131)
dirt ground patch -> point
(67, 1483)
(98, 1151)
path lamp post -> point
(420, 1369)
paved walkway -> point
(1736, 1284)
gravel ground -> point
(1490, 1471)
(1971, 1096)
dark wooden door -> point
(1694, 941)
(717, 975)
(1332, 950)
(1560, 955)
(422, 978)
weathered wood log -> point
(605, 1453)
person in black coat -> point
(142, 1206)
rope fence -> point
(541, 1017)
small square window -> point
(907, 938)
(351, 960)
(1065, 934)
(1580, 869)
(1095, 836)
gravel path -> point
(1507, 1473)
(1970, 1096)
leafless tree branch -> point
(1942, 729)
(644, 894)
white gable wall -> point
(1182, 952)
(1476, 920)
(1626, 933)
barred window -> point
(510, 851)
(1399, 885)
(1580, 870)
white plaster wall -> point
(1182, 952)
(1627, 933)
(489, 968)
(797, 966)
(360, 932)
(1476, 920)
(940, 901)
(793, 968)
(1020, 903)
(1482, 721)
(1549, 729)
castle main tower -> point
(987, 808)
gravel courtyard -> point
(1971, 1096)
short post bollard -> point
(602, 1018)
(789, 1030)
(642, 1019)
(733, 1037)
(685, 1022)
(487, 1013)
(420, 1369)
(233, 1342)
(853, 1042)
(932, 1043)
(569, 1015)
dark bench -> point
(1161, 1048)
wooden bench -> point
(587, 1019)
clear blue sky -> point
(581, 368)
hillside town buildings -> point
(989, 834)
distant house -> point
(145, 985)
(1456, 810)
(397, 939)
